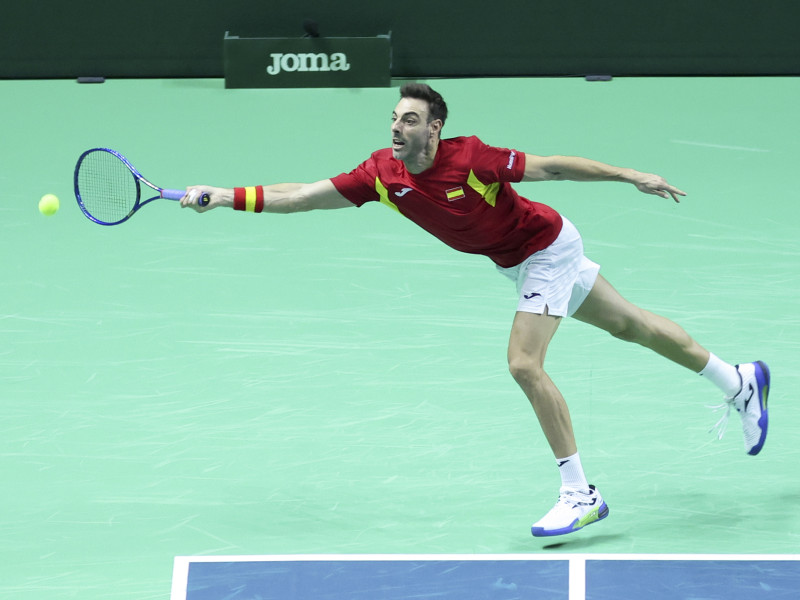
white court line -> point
(180, 578)
(577, 562)
(577, 578)
(719, 146)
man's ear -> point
(436, 126)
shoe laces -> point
(573, 498)
(721, 426)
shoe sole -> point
(592, 517)
(762, 379)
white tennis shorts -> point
(557, 278)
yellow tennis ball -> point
(48, 205)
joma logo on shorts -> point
(310, 61)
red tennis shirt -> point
(465, 199)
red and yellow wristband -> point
(250, 199)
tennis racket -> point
(109, 189)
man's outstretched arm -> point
(278, 198)
(574, 168)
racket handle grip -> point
(173, 194)
(178, 194)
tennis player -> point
(459, 190)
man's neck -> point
(425, 160)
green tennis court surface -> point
(335, 383)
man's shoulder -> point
(462, 140)
(462, 147)
(384, 154)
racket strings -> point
(106, 187)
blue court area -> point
(387, 580)
(487, 578)
(714, 578)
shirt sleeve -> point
(358, 186)
(497, 164)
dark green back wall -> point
(183, 38)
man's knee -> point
(524, 369)
(632, 326)
(626, 330)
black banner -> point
(307, 62)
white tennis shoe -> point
(573, 511)
(751, 404)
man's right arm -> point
(278, 198)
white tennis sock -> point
(723, 375)
(572, 475)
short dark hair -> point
(437, 108)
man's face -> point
(411, 132)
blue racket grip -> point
(178, 194)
